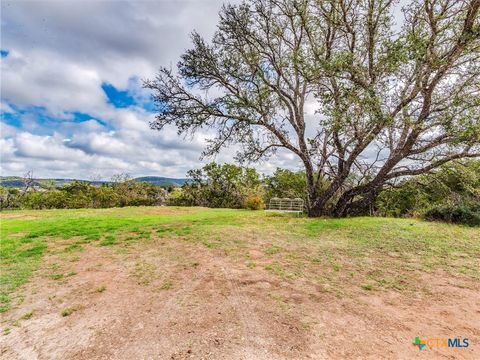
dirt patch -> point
(23, 215)
(174, 299)
(167, 210)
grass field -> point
(296, 271)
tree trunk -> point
(316, 206)
(347, 206)
(316, 211)
(353, 202)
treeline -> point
(78, 194)
(221, 186)
(451, 193)
(232, 186)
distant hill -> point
(161, 181)
(17, 182)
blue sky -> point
(72, 103)
(118, 98)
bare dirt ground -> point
(177, 300)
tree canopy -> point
(394, 96)
(219, 186)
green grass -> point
(167, 285)
(109, 240)
(70, 310)
(56, 276)
(376, 252)
(27, 316)
(367, 287)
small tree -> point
(28, 182)
(220, 186)
(286, 183)
(451, 185)
(48, 184)
(390, 103)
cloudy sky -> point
(71, 97)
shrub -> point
(84, 195)
(468, 214)
(451, 193)
(254, 202)
(218, 186)
(286, 183)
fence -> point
(286, 205)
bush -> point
(218, 186)
(451, 193)
(179, 197)
(285, 183)
(468, 214)
(85, 195)
(254, 202)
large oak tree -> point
(397, 93)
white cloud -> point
(42, 78)
(60, 53)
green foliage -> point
(80, 194)
(452, 193)
(180, 197)
(9, 197)
(410, 92)
(463, 214)
(286, 183)
(218, 186)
